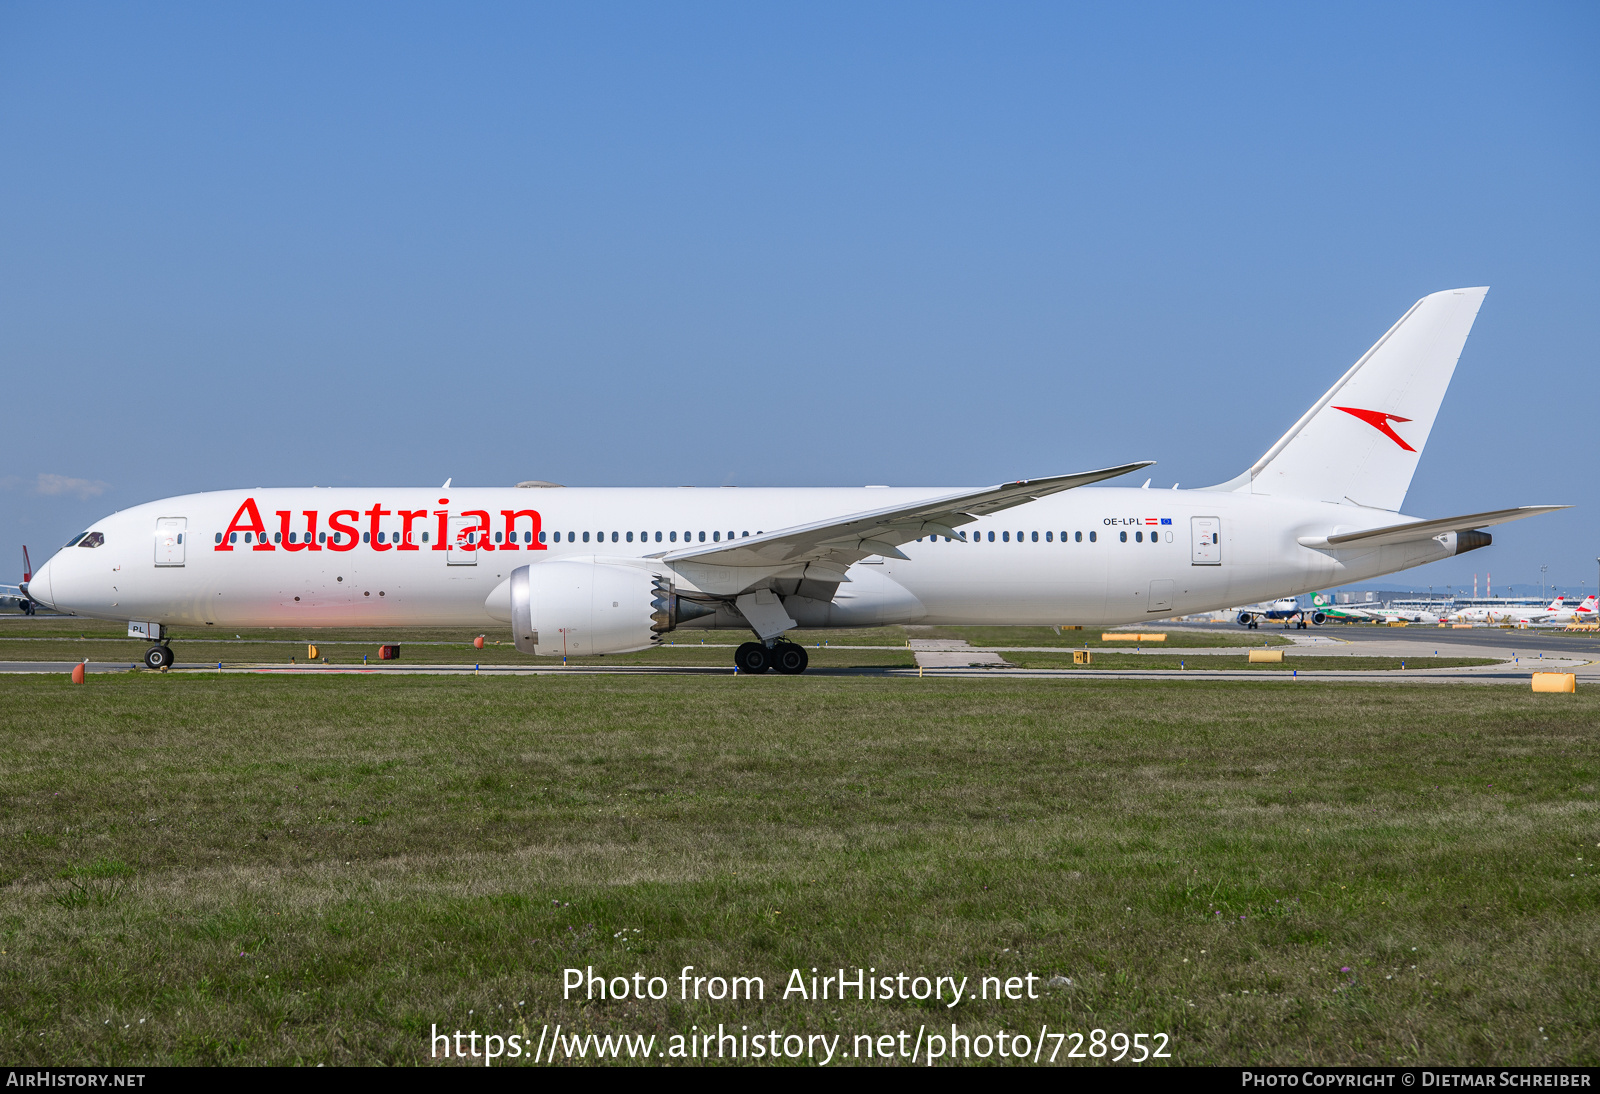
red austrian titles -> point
(342, 523)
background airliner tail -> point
(1360, 443)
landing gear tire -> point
(158, 657)
(789, 659)
(1253, 625)
(752, 657)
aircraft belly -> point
(986, 584)
(874, 597)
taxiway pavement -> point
(1516, 654)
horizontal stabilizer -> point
(1425, 529)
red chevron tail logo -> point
(1378, 420)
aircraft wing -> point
(850, 538)
(1426, 529)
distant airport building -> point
(1464, 603)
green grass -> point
(303, 869)
(1090, 637)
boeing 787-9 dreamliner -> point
(593, 571)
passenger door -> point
(169, 540)
(1206, 541)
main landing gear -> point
(159, 657)
(784, 657)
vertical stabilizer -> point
(1361, 442)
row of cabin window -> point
(322, 537)
(366, 537)
(1049, 537)
(644, 537)
(527, 537)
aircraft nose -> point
(39, 587)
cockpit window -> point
(73, 542)
(92, 539)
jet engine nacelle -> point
(1319, 618)
(587, 606)
(1244, 619)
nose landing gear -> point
(159, 657)
(784, 657)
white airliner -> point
(1512, 613)
(1402, 615)
(1582, 612)
(595, 571)
(1322, 611)
(1558, 612)
(16, 596)
(1282, 610)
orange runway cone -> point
(77, 673)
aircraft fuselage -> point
(388, 557)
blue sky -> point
(768, 245)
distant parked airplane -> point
(1558, 611)
(1283, 610)
(16, 596)
(1324, 609)
(1402, 615)
(1584, 612)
